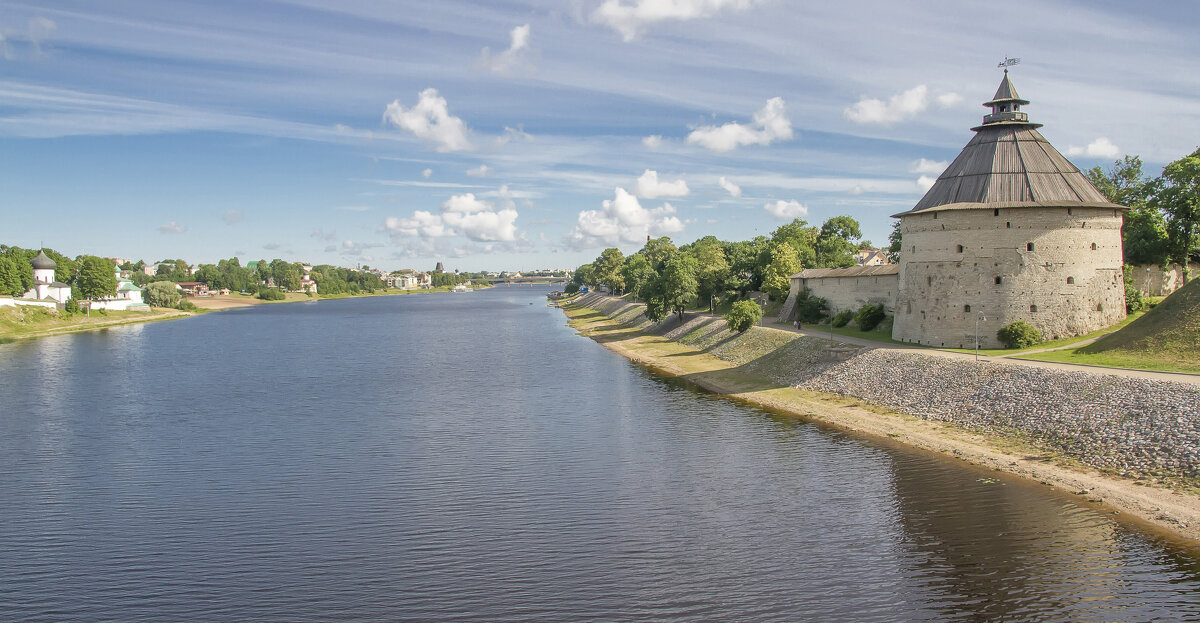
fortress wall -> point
(853, 292)
(1069, 283)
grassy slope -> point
(27, 322)
(1165, 338)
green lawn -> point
(1118, 360)
(1066, 341)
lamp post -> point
(977, 319)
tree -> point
(97, 277)
(657, 251)
(783, 264)
(896, 240)
(637, 274)
(11, 283)
(745, 272)
(837, 242)
(743, 315)
(21, 268)
(713, 268)
(678, 282)
(585, 275)
(162, 294)
(1124, 184)
(1144, 235)
(608, 269)
(1178, 196)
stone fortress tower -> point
(1010, 231)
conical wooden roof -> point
(1010, 164)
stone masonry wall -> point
(1058, 269)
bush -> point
(811, 309)
(271, 294)
(186, 305)
(743, 315)
(842, 318)
(571, 288)
(869, 316)
(1019, 334)
(71, 306)
(1133, 296)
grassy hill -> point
(1165, 338)
(1171, 330)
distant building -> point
(306, 282)
(45, 286)
(439, 268)
(871, 257)
(127, 298)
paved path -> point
(1175, 377)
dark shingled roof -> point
(1008, 163)
(852, 271)
(43, 261)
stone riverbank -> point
(1141, 429)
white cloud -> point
(622, 219)
(770, 124)
(654, 141)
(649, 187)
(171, 228)
(478, 171)
(430, 120)
(733, 189)
(931, 167)
(898, 107)
(925, 182)
(630, 19)
(1099, 148)
(517, 134)
(948, 100)
(463, 215)
(232, 216)
(857, 190)
(786, 210)
(427, 173)
(512, 58)
(423, 224)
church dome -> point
(43, 262)
(1009, 164)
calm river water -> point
(469, 458)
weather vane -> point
(1008, 62)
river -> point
(468, 457)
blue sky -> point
(527, 134)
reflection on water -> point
(452, 457)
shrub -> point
(271, 294)
(842, 318)
(743, 315)
(185, 305)
(869, 316)
(811, 309)
(1019, 334)
(71, 306)
(1133, 296)
(571, 288)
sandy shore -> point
(228, 301)
(1162, 511)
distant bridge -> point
(527, 280)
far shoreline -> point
(204, 305)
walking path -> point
(1174, 377)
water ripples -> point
(467, 458)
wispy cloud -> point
(232, 217)
(515, 57)
(733, 189)
(171, 228)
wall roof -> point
(852, 271)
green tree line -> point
(670, 279)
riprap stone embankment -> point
(1131, 426)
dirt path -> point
(1150, 508)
